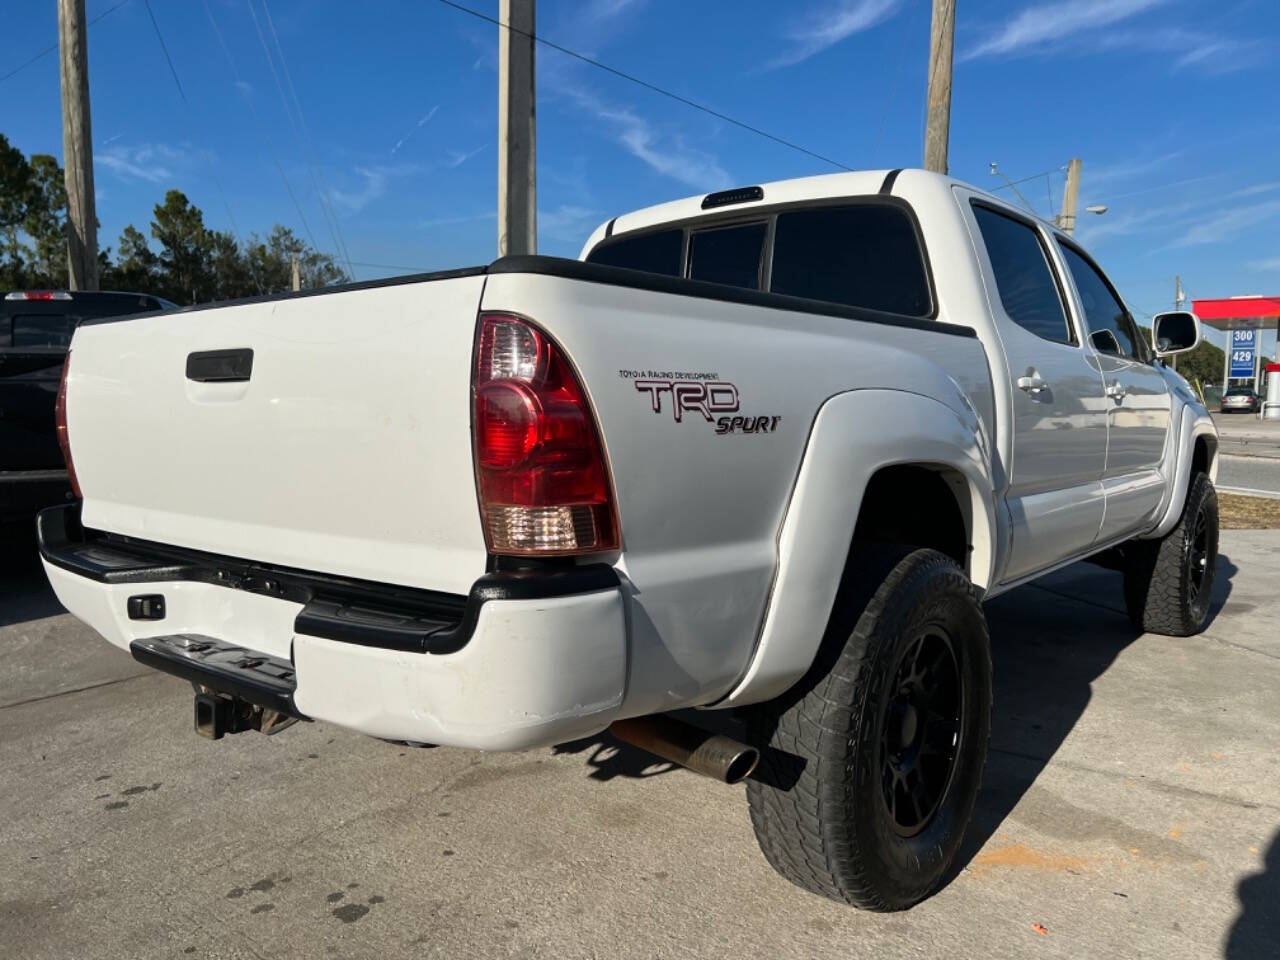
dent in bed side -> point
(855, 435)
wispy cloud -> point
(667, 153)
(1258, 188)
(1081, 27)
(567, 222)
(827, 26)
(375, 181)
(458, 157)
(1048, 24)
(463, 218)
(1227, 224)
(1128, 169)
(414, 129)
(606, 9)
(1271, 265)
(153, 162)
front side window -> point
(657, 252)
(1023, 276)
(1111, 329)
(861, 255)
(728, 255)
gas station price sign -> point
(1244, 346)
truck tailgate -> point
(343, 445)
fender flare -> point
(1195, 423)
(854, 435)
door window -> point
(1028, 291)
(728, 255)
(1111, 329)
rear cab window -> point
(862, 255)
(859, 252)
(51, 323)
(657, 252)
(729, 255)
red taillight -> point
(540, 470)
(60, 426)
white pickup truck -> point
(766, 449)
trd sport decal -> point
(698, 393)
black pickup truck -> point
(35, 332)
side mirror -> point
(1104, 341)
(1175, 332)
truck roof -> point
(796, 190)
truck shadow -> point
(1255, 931)
(25, 593)
(1050, 640)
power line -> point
(910, 20)
(213, 174)
(257, 119)
(271, 63)
(48, 50)
(648, 86)
(317, 177)
(1034, 176)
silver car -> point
(1239, 400)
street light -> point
(1097, 209)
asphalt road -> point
(1251, 474)
(1131, 809)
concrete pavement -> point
(1131, 808)
(1246, 435)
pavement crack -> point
(1241, 646)
(1161, 786)
(75, 690)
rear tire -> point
(1168, 583)
(873, 760)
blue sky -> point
(1170, 103)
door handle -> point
(1116, 391)
(1032, 385)
(220, 366)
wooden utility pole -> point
(1179, 299)
(1070, 196)
(941, 44)
(77, 147)
(517, 166)
(297, 276)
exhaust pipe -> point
(710, 754)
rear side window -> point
(728, 255)
(863, 255)
(652, 252)
(1028, 292)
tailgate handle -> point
(220, 366)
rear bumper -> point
(526, 659)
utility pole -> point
(77, 147)
(1179, 298)
(517, 158)
(1070, 196)
(941, 45)
(297, 276)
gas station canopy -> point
(1233, 313)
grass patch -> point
(1238, 512)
